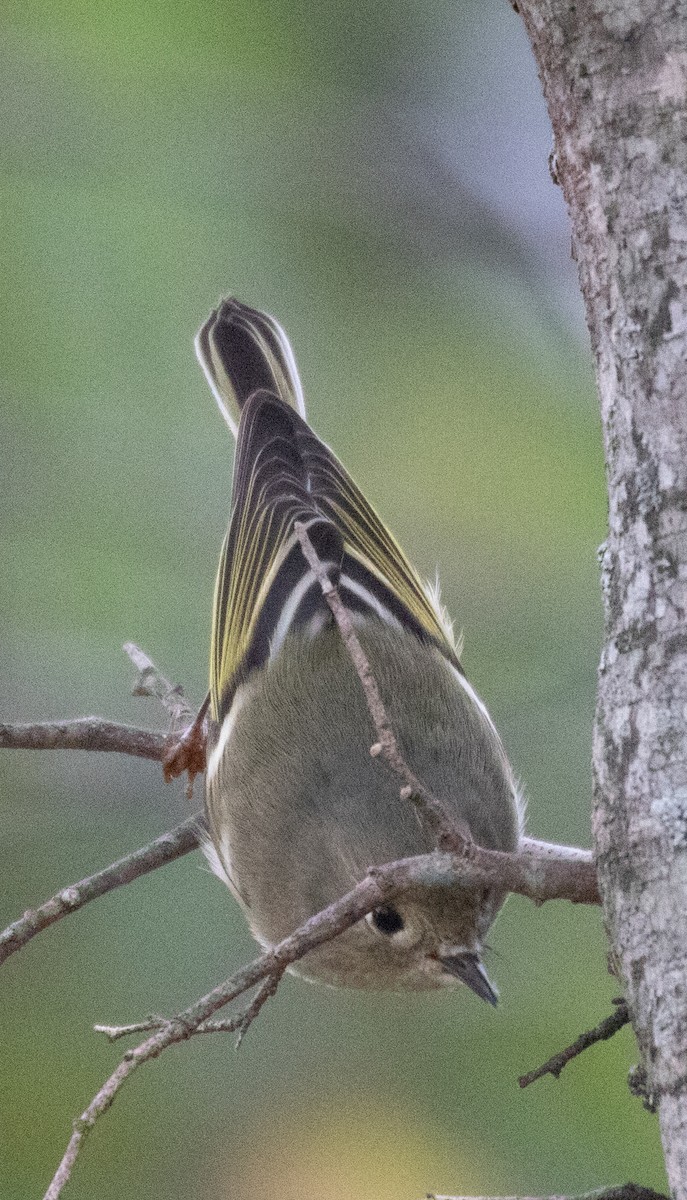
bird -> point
(296, 809)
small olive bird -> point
(297, 810)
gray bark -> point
(614, 74)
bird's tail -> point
(242, 351)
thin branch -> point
(447, 832)
(178, 754)
(164, 849)
(600, 1033)
(519, 872)
(85, 733)
(106, 1095)
(542, 871)
(266, 990)
(369, 894)
(579, 872)
(185, 753)
(529, 873)
(151, 682)
(95, 733)
(625, 1191)
(539, 871)
(114, 1032)
(552, 850)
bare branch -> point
(85, 733)
(530, 873)
(552, 850)
(522, 873)
(184, 753)
(449, 836)
(102, 1101)
(95, 733)
(114, 1032)
(579, 872)
(542, 871)
(368, 894)
(625, 1191)
(151, 682)
(267, 989)
(600, 1033)
(165, 849)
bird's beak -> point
(467, 967)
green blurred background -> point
(375, 176)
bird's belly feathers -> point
(297, 808)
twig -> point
(557, 853)
(85, 733)
(266, 990)
(578, 871)
(600, 1033)
(379, 886)
(114, 1032)
(539, 870)
(368, 894)
(449, 836)
(177, 753)
(151, 682)
(164, 849)
(542, 871)
(95, 733)
(625, 1191)
(102, 1101)
(185, 753)
(528, 873)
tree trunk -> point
(614, 74)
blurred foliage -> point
(332, 164)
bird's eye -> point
(387, 920)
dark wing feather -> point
(284, 474)
(242, 350)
